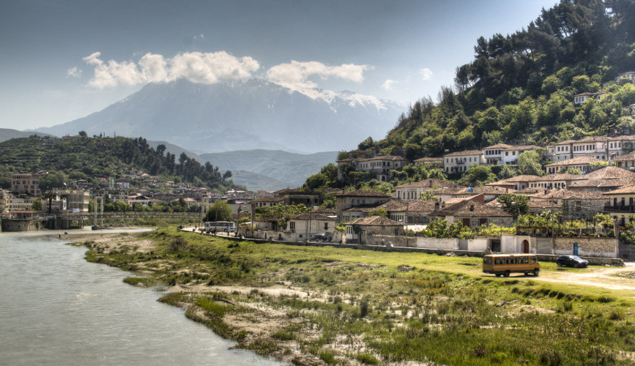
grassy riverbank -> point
(312, 305)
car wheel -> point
(536, 271)
(577, 265)
(506, 274)
(498, 274)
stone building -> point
(362, 230)
(413, 190)
(474, 214)
(351, 199)
(26, 183)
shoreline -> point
(320, 310)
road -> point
(604, 277)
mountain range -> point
(242, 115)
(270, 170)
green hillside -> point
(520, 88)
(81, 157)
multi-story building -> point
(358, 199)
(413, 190)
(461, 161)
(560, 151)
(505, 154)
(26, 183)
(599, 147)
(380, 166)
(582, 162)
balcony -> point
(620, 208)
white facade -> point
(461, 161)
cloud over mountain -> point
(211, 68)
(197, 67)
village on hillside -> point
(584, 204)
(590, 214)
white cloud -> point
(298, 73)
(74, 72)
(387, 85)
(426, 73)
(204, 68)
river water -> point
(58, 309)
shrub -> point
(367, 359)
(363, 307)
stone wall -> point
(627, 252)
(580, 209)
(593, 247)
(20, 225)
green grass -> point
(398, 315)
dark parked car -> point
(571, 261)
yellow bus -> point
(504, 264)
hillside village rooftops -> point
(285, 191)
(267, 199)
(610, 172)
(362, 208)
(566, 194)
(505, 147)
(470, 208)
(429, 160)
(483, 190)
(601, 183)
(310, 216)
(428, 183)
(516, 179)
(456, 200)
(410, 206)
(383, 158)
(375, 221)
(624, 190)
(558, 177)
(498, 147)
(465, 153)
(627, 157)
(357, 193)
(575, 161)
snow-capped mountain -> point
(242, 115)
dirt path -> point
(603, 277)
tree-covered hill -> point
(520, 88)
(82, 157)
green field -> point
(354, 306)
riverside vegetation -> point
(325, 305)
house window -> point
(292, 225)
(326, 226)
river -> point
(58, 309)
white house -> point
(301, 227)
(461, 161)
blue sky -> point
(64, 59)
